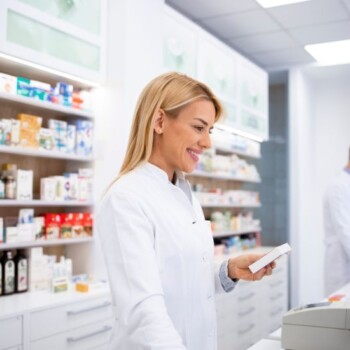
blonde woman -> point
(157, 244)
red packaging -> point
(77, 227)
(88, 224)
(52, 226)
(67, 220)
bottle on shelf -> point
(8, 275)
(9, 179)
(21, 272)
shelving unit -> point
(230, 206)
(236, 233)
(200, 173)
(43, 154)
(41, 203)
(45, 243)
(45, 105)
(45, 163)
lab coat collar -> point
(162, 177)
(161, 174)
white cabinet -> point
(84, 338)
(66, 321)
(68, 36)
(11, 330)
(44, 323)
(253, 310)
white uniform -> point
(337, 233)
(159, 254)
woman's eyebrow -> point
(201, 120)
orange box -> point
(29, 138)
(29, 121)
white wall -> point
(134, 56)
(319, 127)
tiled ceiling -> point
(271, 37)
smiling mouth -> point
(194, 155)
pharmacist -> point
(157, 245)
(337, 231)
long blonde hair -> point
(171, 92)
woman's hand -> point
(238, 267)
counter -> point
(273, 341)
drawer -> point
(11, 332)
(84, 338)
(51, 321)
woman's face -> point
(179, 141)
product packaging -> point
(59, 130)
(15, 132)
(84, 137)
(67, 225)
(52, 226)
(29, 130)
(24, 184)
(23, 86)
(39, 228)
(8, 84)
(77, 228)
(71, 138)
(48, 189)
(46, 140)
(26, 227)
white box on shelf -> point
(24, 184)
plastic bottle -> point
(21, 272)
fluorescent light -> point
(275, 3)
(334, 52)
(49, 70)
(239, 132)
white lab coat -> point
(337, 233)
(159, 254)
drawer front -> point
(48, 322)
(11, 332)
(84, 338)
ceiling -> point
(273, 38)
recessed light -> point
(334, 52)
(275, 3)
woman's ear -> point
(159, 122)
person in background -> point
(157, 245)
(337, 231)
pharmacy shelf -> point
(230, 205)
(200, 173)
(229, 150)
(48, 243)
(43, 154)
(40, 203)
(46, 105)
(235, 233)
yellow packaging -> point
(29, 121)
(29, 138)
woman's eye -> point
(199, 128)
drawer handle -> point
(277, 296)
(245, 313)
(246, 297)
(276, 312)
(81, 311)
(89, 335)
(250, 327)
